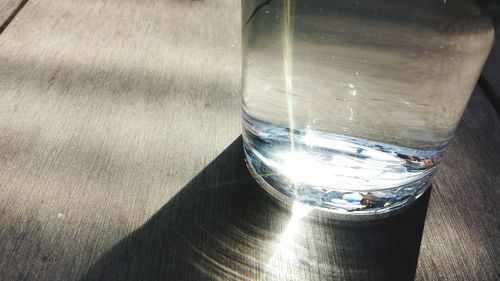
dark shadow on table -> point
(222, 225)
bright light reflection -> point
(287, 65)
(286, 254)
(352, 89)
(344, 164)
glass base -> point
(340, 202)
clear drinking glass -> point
(348, 104)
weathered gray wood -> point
(111, 113)
(460, 240)
(7, 8)
(107, 109)
(490, 78)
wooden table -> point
(120, 159)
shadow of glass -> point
(222, 225)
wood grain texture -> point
(107, 109)
(7, 10)
(120, 159)
(460, 240)
(490, 78)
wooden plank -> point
(241, 233)
(120, 160)
(8, 11)
(490, 78)
(107, 109)
(460, 240)
(223, 226)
